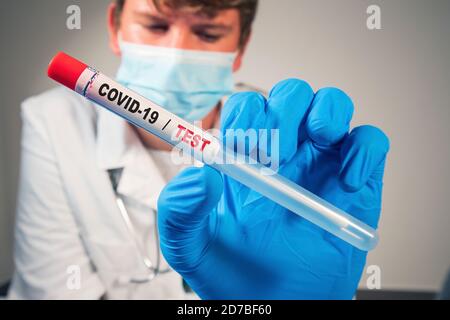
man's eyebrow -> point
(205, 25)
(213, 26)
(149, 16)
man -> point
(86, 225)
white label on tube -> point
(148, 115)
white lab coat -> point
(67, 217)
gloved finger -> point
(330, 115)
(363, 154)
(184, 208)
(287, 108)
(242, 117)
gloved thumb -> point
(184, 212)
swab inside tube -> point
(206, 148)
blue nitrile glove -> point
(228, 242)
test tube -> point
(203, 146)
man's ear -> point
(238, 60)
(113, 29)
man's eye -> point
(158, 28)
(208, 37)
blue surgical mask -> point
(188, 83)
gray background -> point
(398, 77)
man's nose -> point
(180, 39)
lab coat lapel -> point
(118, 146)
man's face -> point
(142, 23)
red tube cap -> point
(65, 69)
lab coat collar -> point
(119, 147)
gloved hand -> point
(228, 242)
